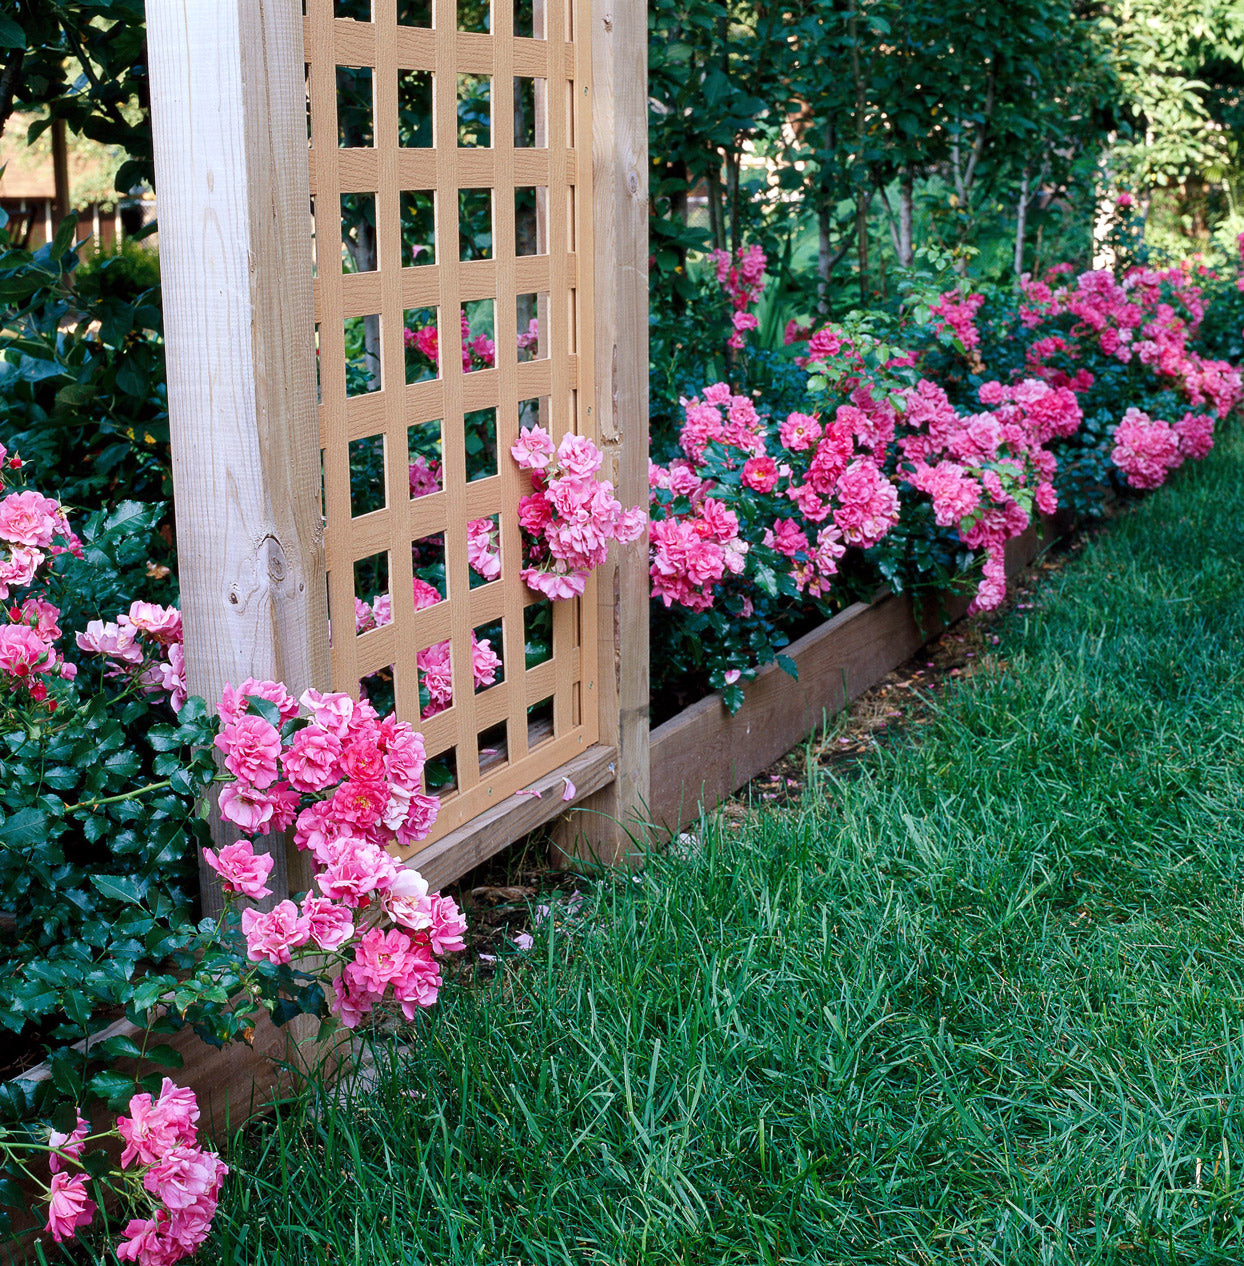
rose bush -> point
(98, 828)
(924, 441)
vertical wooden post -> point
(604, 827)
(230, 136)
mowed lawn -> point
(981, 1002)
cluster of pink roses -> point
(144, 646)
(984, 472)
(1147, 318)
(809, 488)
(34, 530)
(956, 315)
(161, 1165)
(478, 350)
(742, 277)
(350, 783)
(570, 515)
(1147, 449)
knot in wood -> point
(275, 560)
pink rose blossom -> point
(70, 1144)
(534, 448)
(328, 925)
(241, 869)
(68, 1206)
(272, 934)
(248, 807)
(252, 747)
(155, 1126)
(29, 518)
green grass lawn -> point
(981, 1003)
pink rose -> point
(331, 711)
(760, 474)
(419, 819)
(161, 623)
(23, 652)
(70, 1144)
(328, 924)
(448, 926)
(29, 518)
(353, 869)
(116, 641)
(183, 1176)
(241, 869)
(155, 1126)
(251, 808)
(68, 1206)
(251, 746)
(578, 457)
(310, 761)
(272, 934)
(534, 448)
(406, 901)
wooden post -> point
(229, 129)
(606, 827)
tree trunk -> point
(732, 199)
(715, 217)
(862, 201)
(862, 196)
(906, 199)
(824, 220)
(1021, 224)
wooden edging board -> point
(704, 754)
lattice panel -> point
(451, 206)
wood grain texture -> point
(704, 754)
(231, 166)
(603, 829)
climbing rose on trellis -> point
(350, 784)
(570, 516)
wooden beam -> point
(605, 827)
(228, 113)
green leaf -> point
(11, 35)
(788, 666)
(23, 827)
(111, 1087)
(265, 708)
(120, 888)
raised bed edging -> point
(704, 754)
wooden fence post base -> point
(606, 827)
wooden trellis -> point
(492, 742)
(267, 414)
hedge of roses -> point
(923, 443)
(99, 826)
